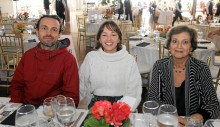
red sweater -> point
(41, 74)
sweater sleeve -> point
(154, 89)
(17, 84)
(209, 98)
(134, 85)
(84, 74)
(71, 79)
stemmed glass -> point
(150, 109)
(212, 123)
(66, 112)
(48, 110)
(190, 19)
(167, 116)
(200, 20)
(193, 122)
(200, 35)
(29, 29)
(26, 116)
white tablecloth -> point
(150, 53)
(5, 100)
(162, 16)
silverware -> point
(76, 122)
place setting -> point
(58, 111)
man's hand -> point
(210, 34)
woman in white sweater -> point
(110, 73)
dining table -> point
(150, 53)
(213, 26)
(137, 119)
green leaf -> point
(126, 123)
(93, 122)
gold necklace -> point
(178, 71)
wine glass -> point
(200, 20)
(26, 116)
(200, 35)
(48, 110)
(212, 123)
(66, 112)
(150, 109)
(139, 32)
(29, 30)
(193, 122)
(190, 19)
(167, 116)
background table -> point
(150, 53)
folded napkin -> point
(200, 47)
(32, 40)
(136, 39)
(204, 42)
(143, 44)
(10, 120)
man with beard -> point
(48, 69)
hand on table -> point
(210, 34)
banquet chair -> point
(8, 64)
(10, 44)
(8, 24)
(127, 29)
(216, 81)
(144, 70)
(208, 60)
(82, 34)
(163, 51)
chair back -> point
(80, 19)
(127, 29)
(208, 60)
(169, 19)
(163, 51)
(8, 64)
(216, 81)
(10, 44)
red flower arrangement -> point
(103, 114)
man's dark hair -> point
(49, 16)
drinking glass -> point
(215, 19)
(29, 30)
(167, 116)
(200, 36)
(66, 112)
(150, 109)
(139, 33)
(26, 116)
(48, 110)
(212, 123)
(200, 20)
(193, 122)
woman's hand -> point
(182, 121)
(199, 116)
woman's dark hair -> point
(49, 16)
(110, 25)
(183, 28)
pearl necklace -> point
(178, 70)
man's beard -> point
(48, 44)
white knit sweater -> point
(105, 74)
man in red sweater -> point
(48, 69)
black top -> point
(180, 99)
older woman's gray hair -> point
(183, 28)
(110, 25)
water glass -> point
(66, 112)
(212, 123)
(150, 109)
(167, 116)
(29, 30)
(26, 116)
(200, 35)
(193, 122)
